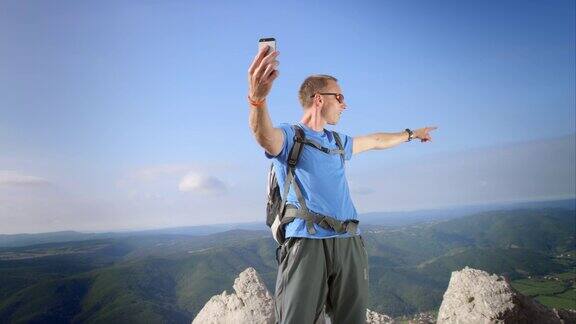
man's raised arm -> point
(380, 141)
(261, 75)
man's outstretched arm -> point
(261, 75)
(380, 141)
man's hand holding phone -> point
(263, 72)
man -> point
(318, 266)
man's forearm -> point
(388, 140)
(261, 125)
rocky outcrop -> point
(474, 296)
(252, 303)
(376, 318)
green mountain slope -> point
(169, 278)
(546, 230)
(51, 301)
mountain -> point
(156, 278)
(169, 277)
(15, 240)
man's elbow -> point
(271, 148)
(272, 153)
(271, 142)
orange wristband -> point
(256, 103)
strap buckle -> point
(351, 226)
(323, 222)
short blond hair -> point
(312, 85)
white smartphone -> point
(267, 41)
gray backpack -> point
(279, 213)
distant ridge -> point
(15, 240)
(412, 217)
(376, 218)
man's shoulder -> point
(288, 129)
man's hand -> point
(262, 73)
(422, 133)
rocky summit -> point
(474, 296)
(252, 303)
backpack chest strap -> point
(322, 148)
(301, 139)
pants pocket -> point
(283, 250)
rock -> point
(371, 318)
(252, 303)
(376, 318)
(474, 296)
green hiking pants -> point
(317, 272)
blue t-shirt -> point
(321, 178)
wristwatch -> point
(410, 134)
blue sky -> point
(132, 114)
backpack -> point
(279, 213)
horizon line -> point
(425, 209)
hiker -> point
(322, 257)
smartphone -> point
(267, 41)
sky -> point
(123, 115)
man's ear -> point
(319, 100)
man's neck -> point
(313, 119)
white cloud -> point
(14, 178)
(203, 184)
(161, 181)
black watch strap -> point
(410, 134)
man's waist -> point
(294, 208)
(297, 228)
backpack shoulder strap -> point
(340, 147)
(296, 150)
(293, 157)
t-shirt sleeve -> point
(288, 140)
(347, 143)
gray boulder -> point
(252, 303)
(474, 296)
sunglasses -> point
(339, 96)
